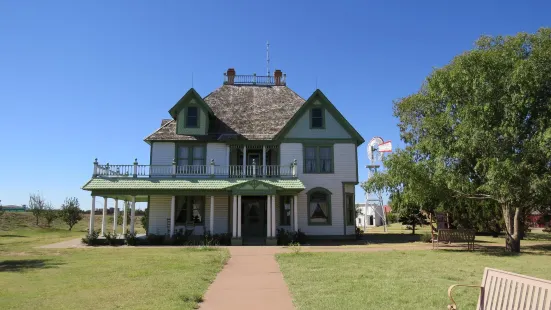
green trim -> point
(151, 155)
(343, 207)
(140, 192)
(186, 109)
(318, 95)
(318, 165)
(315, 140)
(322, 118)
(329, 216)
(248, 192)
(357, 173)
(190, 94)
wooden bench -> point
(455, 235)
(509, 291)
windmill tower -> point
(376, 148)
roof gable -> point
(190, 95)
(319, 99)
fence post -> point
(135, 168)
(95, 174)
(254, 168)
(212, 167)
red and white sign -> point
(385, 147)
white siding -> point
(345, 171)
(218, 152)
(162, 153)
(159, 212)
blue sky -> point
(86, 79)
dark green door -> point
(254, 218)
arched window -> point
(319, 206)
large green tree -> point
(482, 125)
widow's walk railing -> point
(211, 170)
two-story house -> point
(247, 159)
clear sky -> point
(86, 79)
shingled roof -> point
(241, 112)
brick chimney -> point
(231, 76)
(277, 77)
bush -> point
(49, 215)
(284, 237)
(130, 239)
(299, 237)
(111, 238)
(179, 238)
(391, 218)
(91, 238)
(153, 239)
(547, 230)
(426, 237)
(359, 233)
(222, 239)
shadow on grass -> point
(13, 236)
(391, 238)
(27, 264)
(540, 250)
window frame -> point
(282, 215)
(322, 110)
(189, 211)
(328, 195)
(186, 117)
(317, 169)
(190, 157)
(350, 204)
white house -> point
(249, 158)
(369, 216)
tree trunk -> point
(413, 228)
(511, 216)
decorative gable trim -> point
(191, 94)
(326, 104)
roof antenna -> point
(192, 79)
(268, 57)
(316, 82)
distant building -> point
(14, 208)
(370, 216)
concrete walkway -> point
(69, 244)
(250, 280)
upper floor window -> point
(319, 207)
(316, 118)
(318, 159)
(192, 117)
(192, 155)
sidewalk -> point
(250, 280)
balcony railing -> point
(261, 80)
(211, 170)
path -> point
(73, 243)
(250, 280)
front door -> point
(254, 223)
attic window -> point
(192, 120)
(316, 118)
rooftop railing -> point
(261, 80)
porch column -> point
(244, 162)
(269, 216)
(133, 215)
(125, 216)
(234, 213)
(264, 169)
(273, 217)
(239, 211)
(104, 217)
(92, 213)
(295, 212)
(115, 214)
(172, 211)
(212, 215)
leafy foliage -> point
(91, 238)
(50, 214)
(130, 239)
(70, 212)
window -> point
(319, 207)
(318, 159)
(192, 117)
(350, 208)
(191, 155)
(190, 208)
(285, 210)
(316, 118)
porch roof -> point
(154, 185)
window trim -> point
(190, 153)
(322, 117)
(317, 169)
(186, 117)
(329, 213)
(282, 214)
(350, 221)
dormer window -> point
(192, 117)
(316, 118)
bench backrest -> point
(455, 235)
(511, 291)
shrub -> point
(359, 233)
(179, 238)
(391, 218)
(284, 237)
(426, 237)
(222, 239)
(91, 238)
(49, 215)
(70, 212)
(295, 247)
(130, 239)
(153, 239)
(299, 237)
(111, 238)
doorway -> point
(253, 220)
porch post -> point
(92, 213)
(133, 215)
(264, 161)
(234, 213)
(124, 221)
(212, 215)
(104, 217)
(239, 214)
(295, 212)
(172, 211)
(268, 216)
(244, 160)
(273, 217)
(115, 214)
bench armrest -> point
(453, 305)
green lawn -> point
(399, 279)
(98, 278)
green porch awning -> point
(151, 186)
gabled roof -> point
(318, 95)
(191, 94)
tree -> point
(482, 123)
(410, 214)
(49, 214)
(70, 212)
(145, 219)
(37, 205)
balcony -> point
(194, 171)
(258, 80)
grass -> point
(97, 278)
(398, 279)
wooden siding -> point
(162, 153)
(218, 152)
